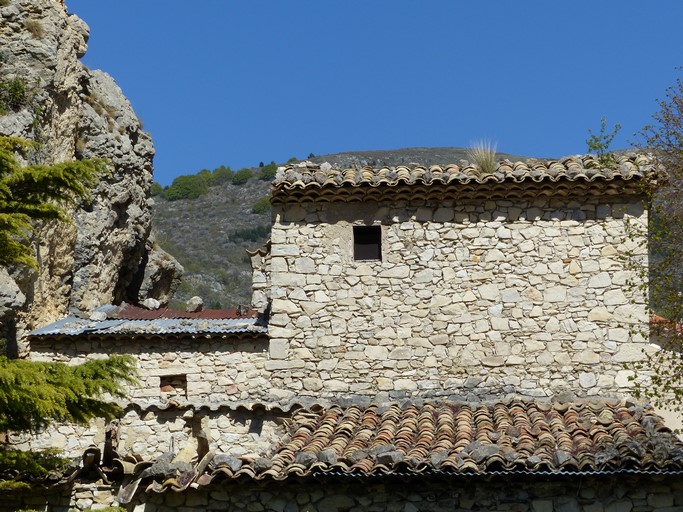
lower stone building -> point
(505, 456)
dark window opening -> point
(367, 243)
(174, 385)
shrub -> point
(222, 174)
(293, 160)
(156, 189)
(35, 28)
(13, 94)
(207, 176)
(255, 234)
(483, 156)
(262, 205)
(600, 143)
(35, 464)
(242, 176)
(187, 187)
(268, 172)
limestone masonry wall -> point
(479, 300)
(215, 370)
(205, 378)
(594, 494)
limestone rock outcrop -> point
(75, 113)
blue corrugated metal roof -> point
(73, 326)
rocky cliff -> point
(105, 255)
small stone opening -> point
(173, 386)
(367, 243)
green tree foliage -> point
(255, 234)
(599, 143)
(156, 189)
(34, 394)
(14, 94)
(29, 465)
(222, 175)
(188, 186)
(36, 192)
(262, 205)
(207, 176)
(268, 172)
(664, 140)
(242, 176)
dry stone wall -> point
(476, 301)
(215, 370)
(595, 494)
(189, 388)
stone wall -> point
(153, 432)
(425, 494)
(215, 370)
(188, 389)
(475, 301)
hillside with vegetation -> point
(209, 220)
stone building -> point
(424, 339)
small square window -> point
(174, 386)
(367, 243)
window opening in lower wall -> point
(173, 386)
(367, 243)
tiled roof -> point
(135, 321)
(512, 437)
(320, 182)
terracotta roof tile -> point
(459, 439)
(308, 181)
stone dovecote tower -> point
(443, 281)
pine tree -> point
(34, 394)
(36, 192)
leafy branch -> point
(599, 143)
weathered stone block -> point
(283, 365)
(397, 272)
(377, 352)
(279, 348)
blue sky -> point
(234, 83)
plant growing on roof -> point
(599, 143)
(482, 153)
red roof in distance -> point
(131, 312)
